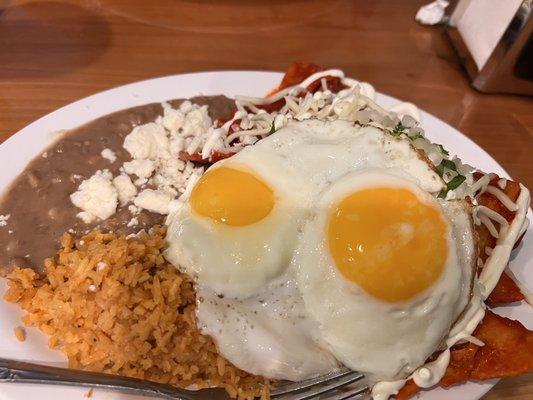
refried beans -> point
(38, 200)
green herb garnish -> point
(398, 129)
(453, 184)
(456, 182)
(445, 164)
(443, 150)
(272, 129)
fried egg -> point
(278, 298)
(385, 270)
(239, 228)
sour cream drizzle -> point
(504, 199)
(496, 263)
(486, 216)
(431, 373)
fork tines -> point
(329, 384)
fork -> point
(338, 385)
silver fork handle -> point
(23, 372)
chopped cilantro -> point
(453, 184)
(445, 164)
(398, 129)
(449, 164)
(443, 150)
(417, 136)
(272, 129)
(456, 182)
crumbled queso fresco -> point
(155, 179)
(109, 155)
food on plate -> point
(305, 230)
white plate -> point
(18, 150)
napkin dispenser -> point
(494, 41)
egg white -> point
(323, 151)
(269, 334)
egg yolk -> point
(388, 242)
(232, 197)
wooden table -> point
(54, 52)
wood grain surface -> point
(55, 52)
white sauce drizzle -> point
(383, 390)
(490, 226)
(501, 253)
(525, 225)
(407, 109)
(482, 183)
(504, 199)
(431, 373)
(489, 212)
(324, 84)
(337, 73)
(488, 215)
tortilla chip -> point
(409, 389)
(296, 73)
(512, 190)
(508, 351)
(506, 291)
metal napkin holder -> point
(509, 68)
